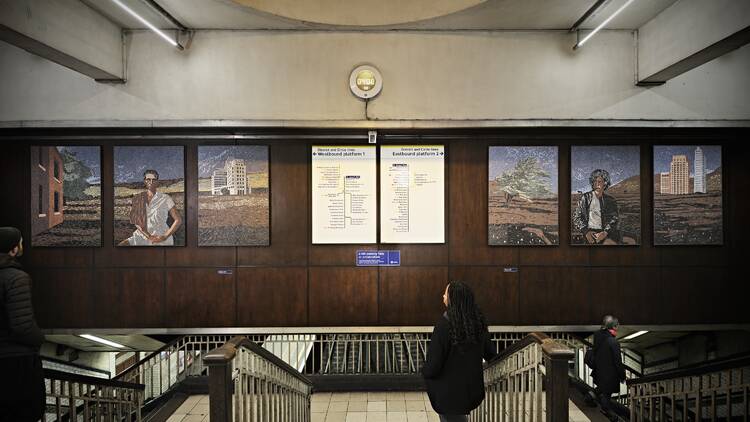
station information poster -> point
(344, 194)
(412, 194)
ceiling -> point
(391, 14)
(135, 342)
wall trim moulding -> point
(384, 329)
(371, 124)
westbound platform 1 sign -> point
(378, 258)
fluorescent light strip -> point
(601, 25)
(634, 335)
(147, 23)
(101, 340)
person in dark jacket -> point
(22, 385)
(453, 370)
(608, 370)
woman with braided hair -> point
(459, 342)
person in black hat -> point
(453, 370)
(22, 385)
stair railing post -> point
(219, 362)
(556, 359)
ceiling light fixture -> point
(148, 24)
(601, 25)
(102, 341)
(634, 335)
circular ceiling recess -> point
(360, 12)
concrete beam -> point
(66, 32)
(688, 34)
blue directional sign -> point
(378, 258)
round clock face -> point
(365, 81)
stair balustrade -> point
(73, 397)
(248, 383)
(711, 392)
(528, 381)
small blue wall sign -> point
(378, 258)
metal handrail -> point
(69, 396)
(162, 369)
(521, 376)
(247, 382)
(717, 391)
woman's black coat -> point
(454, 373)
(608, 368)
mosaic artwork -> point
(66, 206)
(606, 195)
(233, 194)
(687, 195)
(523, 196)
(149, 194)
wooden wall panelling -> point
(343, 296)
(63, 298)
(496, 292)
(127, 298)
(289, 174)
(631, 294)
(200, 297)
(268, 297)
(411, 295)
(555, 296)
(699, 295)
(467, 207)
(57, 257)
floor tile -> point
(357, 406)
(377, 396)
(358, 397)
(356, 417)
(376, 406)
(416, 416)
(396, 416)
(336, 417)
(414, 395)
(318, 397)
(415, 405)
(395, 395)
(338, 406)
(320, 406)
(340, 397)
(376, 417)
(396, 406)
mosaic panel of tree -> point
(66, 206)
(523, 196)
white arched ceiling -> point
(360, 12)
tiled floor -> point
(194, 409)
(352, 407)
(372, 407)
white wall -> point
(262, 75)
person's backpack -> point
(588, 358)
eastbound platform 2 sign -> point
(378, 258)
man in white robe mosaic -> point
(149, 213)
